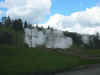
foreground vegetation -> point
(33, 60)
(23, 60)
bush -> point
(5, 37)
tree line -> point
(12, 31)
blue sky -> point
(1, 0)
(67, 7)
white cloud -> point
(87, 21)
(1, 12)
(31, 10)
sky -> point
(67, 7)
(80, 16)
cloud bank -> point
(34, 11)
(87, 21)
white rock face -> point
(48, 38)
(85, 39)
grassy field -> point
(14, 60)
(94, 52)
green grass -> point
(14, 60)
(34, 60)
(94, 52)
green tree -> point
(77, 38)
(25, 24)
(97, 41)
(18, 27)
(6, 21)
(18, 24)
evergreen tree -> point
(18, 25)
(6, 21)
(25, 24)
